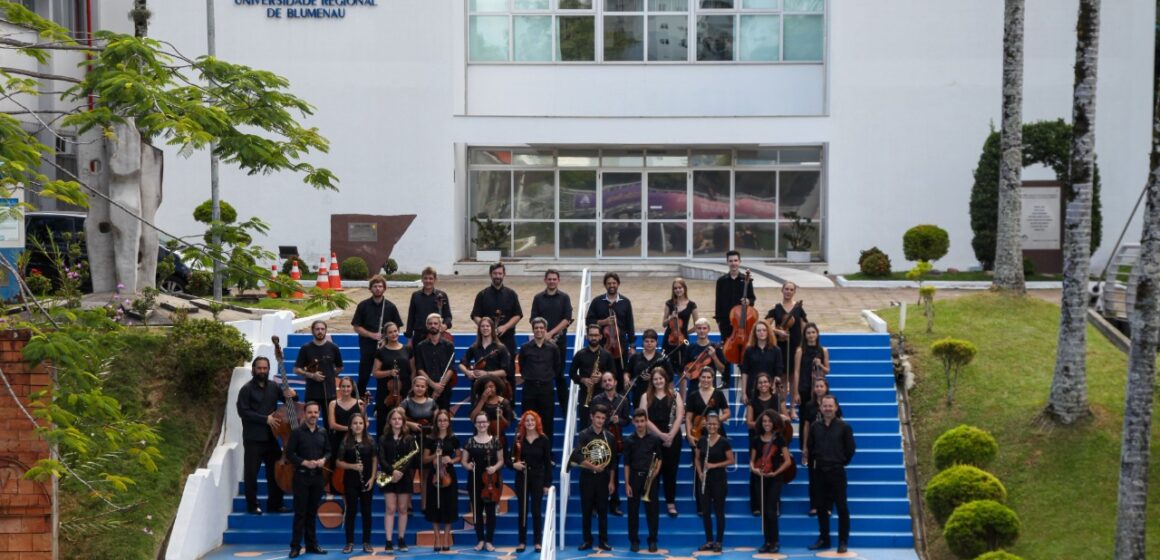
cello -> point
(743, 318)
(290, 417)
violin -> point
(394, 393)
(790, 319)
(766, 465)
(440, 300)
(675, 325)
(290, 416)
(698, 426)
(693, 368)
(491, 482)
(612, 336)
(743, 318)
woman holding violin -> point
(531, 458)
(359, 461)
(764, 398)
(788, 318)
(392, 371)
(769, 459)
(666, 412)
(680, 315)
(340, 411)
(442, 452)
(811, 360)
(490, 399)
(398, 455)
(761, 356)
(483, 458)
(487, 355)
(699, 405)
(715, 358)
(419, 408)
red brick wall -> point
(25, 506)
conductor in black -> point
(595, 479)
(308, 450)
(640, 450)
(257, 401)
(831, 442)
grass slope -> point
(960, 276)
(1062, 481)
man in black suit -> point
(257, 402)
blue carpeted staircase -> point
(861, 376)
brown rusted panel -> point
(374, 236)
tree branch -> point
(55, 46)
(42, 75)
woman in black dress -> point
(489, 398)
(682, 308)
(340, 411)
(666, 413)
(485, 356)
(420, 412)
(763, 399)
(789, 318)
(811, 413)
(769, 458)
(531, 457)
(483, 456)
(398, 455)
(811, 360)
(442, 453)
(761, 356)
(392, 361)
(700, 403)
(356, 455)
(711, 455)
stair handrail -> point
(578, 342)
(547, 549)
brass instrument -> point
(654, 468)
(598, 452)
(596, 374)
(384, 479)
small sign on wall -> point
(1041, 225)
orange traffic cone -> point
(335, 277)
(323, 278)
(273, 277)
(296, 275)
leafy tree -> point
(236, 248)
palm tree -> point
(1008, 245)
(1067, 403)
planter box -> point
(797, 256)
(488, 256)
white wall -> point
(914, 86)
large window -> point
(646, 31)
(646, 203)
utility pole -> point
(215, 195)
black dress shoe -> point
(281, 509)
(764, 549)
(604, 546)
(652, 547)
(522, 547)
(349, 548)
(716, 547)
(841, 548)
(585, 545)
(254, 511)
(315, 550)
(775, 548)
(294, 552)
(706, 547)
(821, 544)
(617, 511)
(634, 546)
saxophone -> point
(595, 372)
(384, 479)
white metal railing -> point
(573, 395)
(547, 548)
(1119, 291)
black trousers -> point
(538, 397)
(366, 363)
(811, 468)
(832, 495)
(769, 526)
(357, 501)
(670, 464)
(531, 500)
(509, 342)
(561, 380)
(594, 496)
(256, 454)
(307, 496)
(713, 503)
(652, 507)
(485, 530)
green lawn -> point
(961, 276)
(1062, 481)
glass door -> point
(620, 216)
(667, 214)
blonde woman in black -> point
(531, 458)
(666, 413)
(483, 458)
(356, 454)
(711, 455)
(395, 443)
(442, 452)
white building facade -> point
(654, 129)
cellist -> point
(731, 289)
(257, 404)
(613, 311)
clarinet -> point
(358, 459)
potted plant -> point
(800, 237)
(490, 238)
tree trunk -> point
(1132, 510)
(1008, 243)
(140, 16)
(1067, 402)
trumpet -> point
(653, 471)
(384, 479)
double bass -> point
(290, 417)
(743, 318)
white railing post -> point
(573, 395)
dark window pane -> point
(578, 240)
(621, 239)
(667, 239)
(711, 158)
(623, 38)
(760, 156)
(491, 194)
(577, 38)
(800, 192)
(575, 4)
(621, 196)
(755, 239)
(715, 38)
(667, 196)
(506, 249)
(535, 193)
(756, 195)
(710, 239)
(710, 195)
(578, 195)
(801, 155)
(535, 239)
(623, 5)
(813, 237)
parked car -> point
(42, 229)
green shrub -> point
(204, 212)
(200, 283)
(302, 267)
(954, 355)
(925, 243)
(998, 555)
(390, 267)
(958, 485)
(200, 350)
(354, 268)
(38, 283)
(981, 526)
(965, 445)
(874, 263)
(1028, 267)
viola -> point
(693, 368)
(676, 326)
(491, 483)
(440, 300)
(790, 319)
(612, 336)
(394, 393)
(743, 318)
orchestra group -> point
(636, 410)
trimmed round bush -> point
(204, 212)
(958, 485)
(981, 526)
(998, 555)
(203, 353)
(354, 268)
(873, 262)
(925, 243)
(390, 267)
(303, 268)
(965, 445)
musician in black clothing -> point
(556, 308)
(486, 356)
(433, 360)
(761, 356)
(308, 450)
(595, 480)
(531, 458)
(502, 304)
(369, 318)
(538, 359)
(711, 455)
(425, 301)
(831, 446)
(357, 454)
(640, 366)
(769, 458)
(320, 362)
(701, 344)
(731, 289)
(257, 402)
(613, 303)
(618, 418)
(587, 366)
(642, 454)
